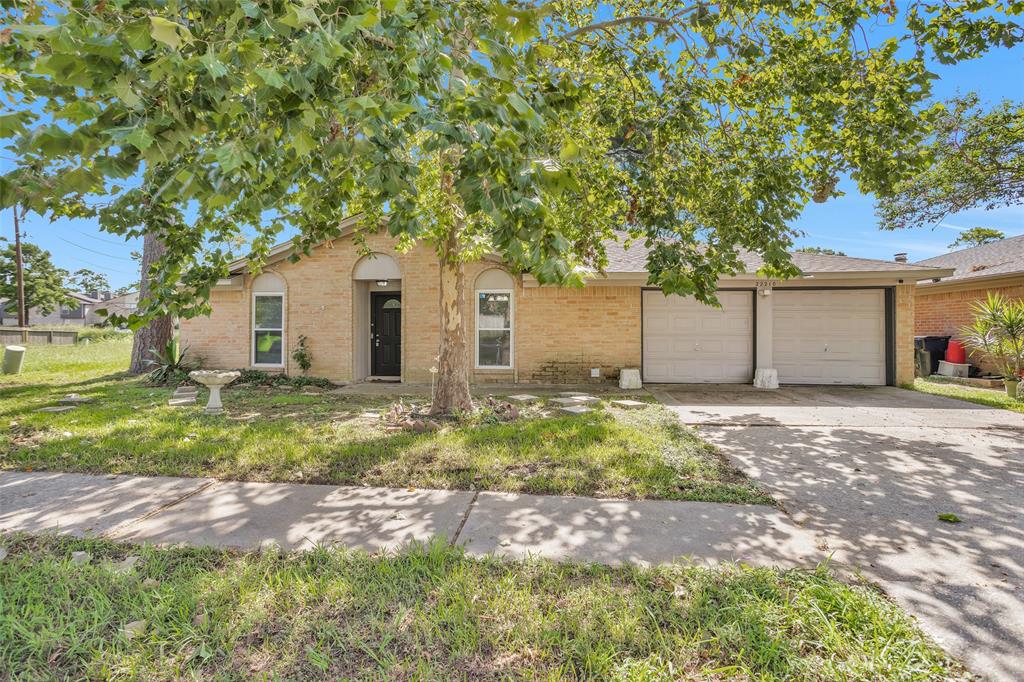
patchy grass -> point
(433, 613)
(312, 436)
(59, 365)
(982, 396)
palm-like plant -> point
(997, 333)
(169, 364)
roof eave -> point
(963, 281)
(912, 275)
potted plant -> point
(997, 334)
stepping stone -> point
(565, 402)
(585, 399)
(575, 409)
(79, 558)
(181, 402)
(55, 408)
(523, 398)
(629, 404)
(74, 399)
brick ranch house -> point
(845, 321)
(943, 304)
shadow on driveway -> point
(870, 470)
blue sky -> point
(846, 224)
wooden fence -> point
(24, 336)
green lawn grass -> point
(433, 613)
(312, 436)
(982, 396)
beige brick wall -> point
(943, 313)
(905, 333)
(565, 332)
(318, 304)
(559, 333)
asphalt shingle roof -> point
(1004, 257)
(634, 259)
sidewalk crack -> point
(122, 527)
(465, 517)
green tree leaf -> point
(168, 32)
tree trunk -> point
(19, 266)
(160, 330)
(451, 393)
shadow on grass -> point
(337, 614)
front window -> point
(494, 329)
(268, 332)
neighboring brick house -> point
(943, 305)
(846, 320)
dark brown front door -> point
(386, 333)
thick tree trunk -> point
(451, 393)
(160, 330)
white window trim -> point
(511, 329)
(253, 330)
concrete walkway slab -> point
(299, 516)
(635, 531)
(296, 516)
(79, 504)
(724, 405)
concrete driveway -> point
(869, 470)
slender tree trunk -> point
(160, 330)
(19, 267)
(451, 393)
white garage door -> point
(829, 337)
(689, 342)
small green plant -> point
(169, 364)
(949, 518)
(997, 333)
(302, 356)
(256, 377)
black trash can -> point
(936, 348)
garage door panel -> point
(704, 344)
(830, 336)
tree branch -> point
(636, 19)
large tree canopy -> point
(530, 130)
(44, 282)
(976, 159)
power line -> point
(105, 241)
(99, 253)
(104, 268)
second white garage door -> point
(688, 342)
(829, 336)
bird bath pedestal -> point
(214, 379)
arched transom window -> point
(494, 316)
(268, 321)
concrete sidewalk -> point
(297, 516)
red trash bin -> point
(955, 352)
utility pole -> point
(19, 266)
